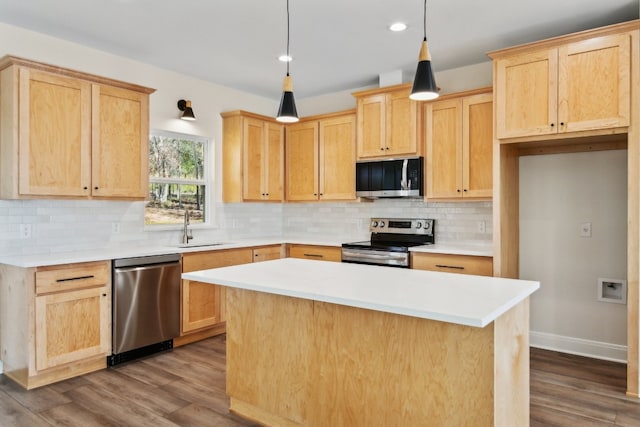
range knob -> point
(374, 223)
(427, 225)
(381, 223)
(418, 225)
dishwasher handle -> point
(146, 260)
(144, 267)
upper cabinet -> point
(320, 158)
(65, 134)
(387, 123)
(459, 134)
(253, 158)
(557, 88)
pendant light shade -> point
(287, 112)
(424, 84)
(185, 107)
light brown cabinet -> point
(320, 158)
(387, 123)
(459, 134)
(447, 263)
(253, 158)
(314, 252)
(56, 321)
(202, 303)
(579, 86)
(267, 253)
(66, 134)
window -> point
(178, 178)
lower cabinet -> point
(203, 305)
(320, 253)
(55, 321)
(447, 263)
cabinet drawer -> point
(321, 253)
(213, 259)
(72, 276)
(462, 264)
(267, 253)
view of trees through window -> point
(176, 178)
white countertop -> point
(448, 297)
(128, 251)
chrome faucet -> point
(186, 232)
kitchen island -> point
(320, 343)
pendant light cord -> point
(425, 19)
(289, 57)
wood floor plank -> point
(72, 414)
(147, 373)
(13, 414)
(200, 416)
(36, 400)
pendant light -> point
(287, 112)
(424, 84)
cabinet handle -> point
(314, 255)
(75, 278)
(455, 267)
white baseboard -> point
(579, 346)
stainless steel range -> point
(390, 241)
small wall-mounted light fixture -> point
(186, 107)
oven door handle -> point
(374, 255)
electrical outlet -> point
(115, 227)
(25, 231)
(482, 227)
(585, 229)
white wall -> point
(557, 194)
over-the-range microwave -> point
(390, 178)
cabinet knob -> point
(465, 190)
(381, 149)
(267, 194)
(561, 123)
(104, 295)
(387, 148)
(458, 190)
(95, 188)
(315, 194)
(552, 124)
(86, 188)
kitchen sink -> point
(198, 245)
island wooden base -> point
(298, 362)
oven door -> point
(375, 257)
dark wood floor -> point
(186, 387)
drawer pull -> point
(455, 267)
(314, 255)
(75, 278)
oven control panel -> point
(402, 225)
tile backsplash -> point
(66, 225)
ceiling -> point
(336, 44)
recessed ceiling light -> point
(285, 58)
(398, 26)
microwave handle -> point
(403, 182)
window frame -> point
(207, 181)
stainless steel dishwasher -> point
(145, 306)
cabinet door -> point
(302, 161)
(254, 158)
(371, 113)
(477, 147)
(444, 149)
(274, 162)
(202, 303)
(120, 143)
(594, 84)
(54, 135)
(338, 158)
(72, 326)
(401, 132)
(527, 94)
